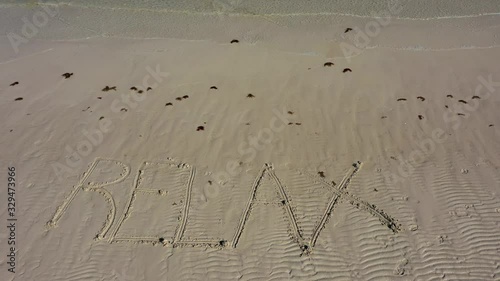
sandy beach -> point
(250, 140)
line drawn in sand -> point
(170, 234)
(169, 186)
(306, 245)
(86, 185)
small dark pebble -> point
(108, 88)
(304, 248)
(67, 75)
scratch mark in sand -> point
(27, 56)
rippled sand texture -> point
(326, 142)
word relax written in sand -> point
(170, 187)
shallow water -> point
(418, 9)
